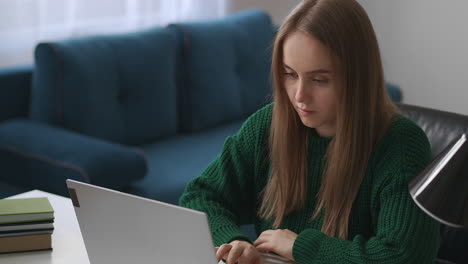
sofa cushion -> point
(117, 87)
(176, 160)
(228, 65)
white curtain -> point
(24, 23)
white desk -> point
(67, 243)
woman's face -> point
(310, 82)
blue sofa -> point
(141, 112)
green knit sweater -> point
(385, 225)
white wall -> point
(278, 9)
(424, 45)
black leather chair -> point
(442, 128)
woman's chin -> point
(309, 123)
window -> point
(24, 23)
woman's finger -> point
(222, 251)
(264, 247)
(260, 240)
(234, 254)
(250, 256)
(263, 238)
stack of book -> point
(26, 225)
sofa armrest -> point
(37, 155)
(394, 92)
(15, 92)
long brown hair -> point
(364, 112)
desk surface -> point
(67, 243)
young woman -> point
(323, 171)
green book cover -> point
(25, 210)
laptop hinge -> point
(74, 197)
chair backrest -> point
(442, 128)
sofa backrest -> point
(226, 74)
(137, 87)
(119, 87)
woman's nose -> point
(301, 92)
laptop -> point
(123, 228)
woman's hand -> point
(280, 241)
(240, 252)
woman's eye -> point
(290, 75)
(320, 81)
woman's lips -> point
(305, 112)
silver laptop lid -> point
(122, 228)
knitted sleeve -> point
(403, 233)
(226, 189)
